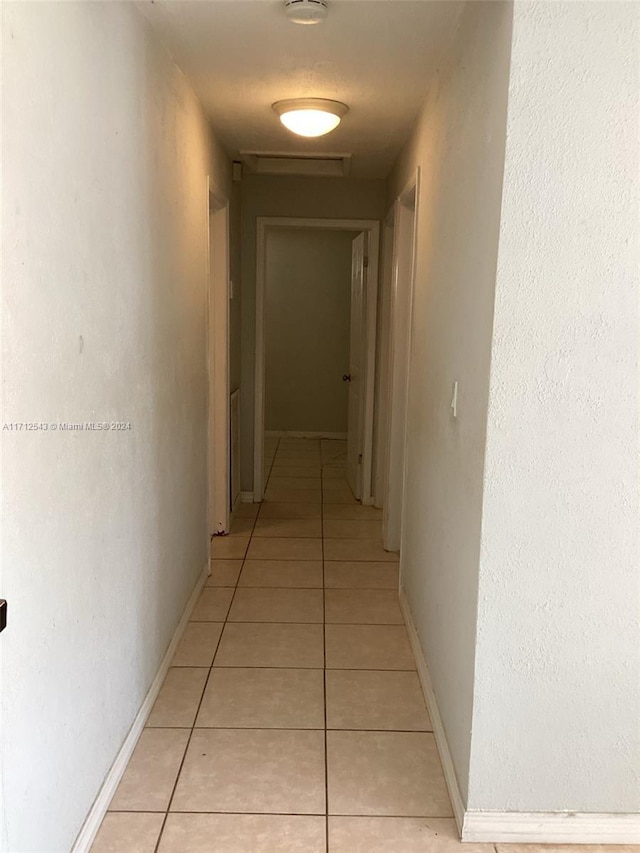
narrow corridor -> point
(292, 719)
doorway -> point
(402, 285)
(293, 325)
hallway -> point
(298, 633)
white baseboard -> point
(514, 827)
(438, 729)
(100, 806)
(333, 436)
(246, 497)
(551, 827)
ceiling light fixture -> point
(306, 11)
(310, 116)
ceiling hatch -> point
(313, 165)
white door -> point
(356, 364)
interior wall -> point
(292, 196)
(555, 724)
(235, 303)
(458, 145)
(307, 324)
(105, 157)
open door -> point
(356, 372)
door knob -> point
(346, 377)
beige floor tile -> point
(368, 647)
(334, 470)
(353, 528)
(360, 575)
(304, 463)
(229, 547)
(398, 835)
(305, 483)
(390, 701)
(243, 510)
(241, 525)
(253, 770)
(339, 497)
(264, 644)
(297, 453)
(290, 510)
(152, 770)
(220, 833)
(198, 644)
(353, 511)
(333, 446)
(263, 699)
(274, 495)
(123, 832)
(385, 773)
(224, 572)
(370, 550)
(337, 484)
(279, 548)
(213, 604)
(179, 697)
(304, 471)
(282, 573)
(287, 527)
(277, 605)
(363, 607)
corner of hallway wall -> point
(288, 196)
(458, 144)
(556, 708)
(105, 157)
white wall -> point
(266, 195)
(307, 323)
(459, 146)
(105, 155)
(557, 705)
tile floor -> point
(292, 719)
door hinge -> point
(3, 614)
(365, 262)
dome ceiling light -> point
(306, 11)
(310, 116)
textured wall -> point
(459, 146)
(557, 666)
(323, 198)
(105, 157)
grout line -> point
(291, 622)
(298, 729)
(288, 814)
(324, 670)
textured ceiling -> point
(377, 56)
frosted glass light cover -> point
(310, 116)
(310, 122)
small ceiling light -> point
(310, 116)
(306, 11)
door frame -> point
(218, 403)
(383, 360)
(402, 287)
(372, 227)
